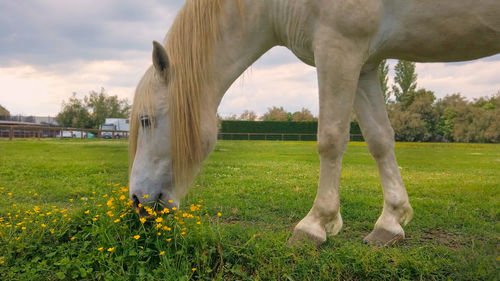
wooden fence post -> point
(11, 132)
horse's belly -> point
(445, 30)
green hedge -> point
(278, 128)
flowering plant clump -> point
(101, 230)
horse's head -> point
(151, 170)
(168, 140)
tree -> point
(4, 113)
(383, 76)
(92, 111)
(74, 114)
(248, 116)
(406, 81)
(303, 115)
(407, 125)
(276, 114)
(102, 106)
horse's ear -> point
(160, 58)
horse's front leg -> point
(377, 131)
(338, 68)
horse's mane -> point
(189, 45)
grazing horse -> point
(212, 42)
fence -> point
(277, 136)
(18, 131)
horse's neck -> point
(244, 38)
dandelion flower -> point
(143, 220)
(23, 228)
(169, 239)
(117, 220)
(71, 200)
(174, 208)
(87, 212)
(136, 237)
(10, 193)
(170, 201)
(43, 225)
(162, 253)
(193, 269)
(159, 233)
(122, 197)
(145, 196)
(73, 238)
(198, 222)
(219, 214)
(159, 219)
(183, 233)
(52, 231)
(111, 249)
(100, 249)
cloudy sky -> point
(52, 48)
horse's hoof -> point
(302, 234)
(382, 237)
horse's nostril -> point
(135, 200)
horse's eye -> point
(145, 121)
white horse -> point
(212, 42)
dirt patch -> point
(445, 238)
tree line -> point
(415, 113)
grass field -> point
(61, 217)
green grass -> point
(261, 189)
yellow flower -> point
(71, 200)
(143, 220)
(183, 233)
(174, 208)
(10, 193)
(23, 228)
(109, 213)
(193, 269)
(162, 253)
(219, 214)
(136, 237)
(100, 249)
(43, 225)
(145, 196)
(111, 249)
(117, 220)
(73, 238)
(87, 212)
(192, 208)
(159, 219)
(159, 233)
(170, 201)
(198, 222)
(169, 239)
(110, 202)
(52, 231)
(122, 197)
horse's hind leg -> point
(338, 73)
(377, 131)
